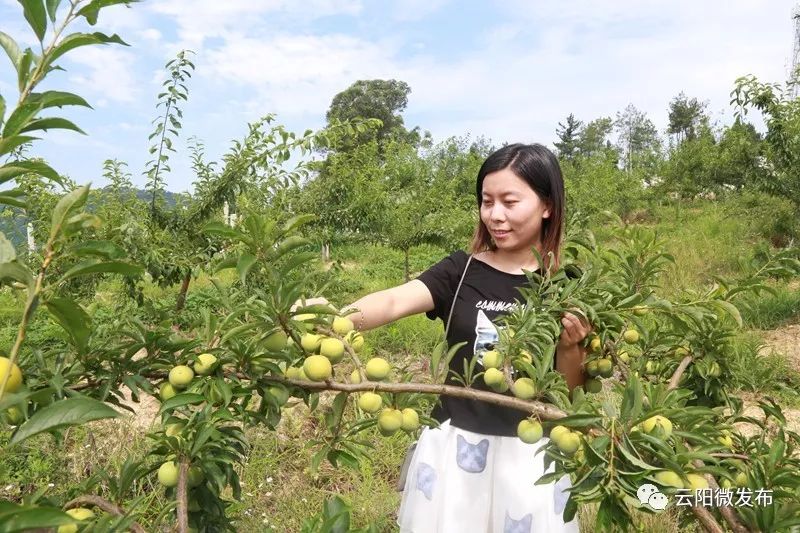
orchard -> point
(656, 407)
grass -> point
(770, 311)
(280, 492)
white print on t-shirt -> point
(486, 336)
(494, 305)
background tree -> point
(739, 157)
(595, 139)
(384, 100)
(685, 115)
(691, 166)
(568, 137)
(638, 139)
(782, 142)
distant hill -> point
(12, 221)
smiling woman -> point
(472, 472)
(520, 192)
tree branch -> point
(183, 516)
(104, 505)
(676, 377)
(707, 520)
(542, 410)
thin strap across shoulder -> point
(453, 304)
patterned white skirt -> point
(464, 482)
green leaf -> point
(57, 99)
(228, 262)
(11, 47)
(223, 230)
(246, 262)
(51, 123)
(9, 143)
(94, 266)
(179, 400)
(105, 249)
(289, 244)
(297, 221)
(74, 40)
(73, 319)
(24, 68)
(52, 8)
(336, 514)
(631, 458)
(65, 206)
(13, 169)
(63, 413)
(776, 452)
(579, 420)
(632, 399)
(12, 197)
(36, 16)
(17, 272)
(7, 252)
(436, 357)
(92, 9)
(2, 109)
(339, 404)
(15, 517)
(732, 310)
(20, 118)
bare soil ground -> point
(786, 341)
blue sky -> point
(506, 70)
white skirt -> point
(464, 482)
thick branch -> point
(707, 520)
(676, 377)
(183, 516)
(727, 512)
(105, 505)
(544, 411)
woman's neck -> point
(512, 261)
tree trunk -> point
(408, 274)
(184, 289)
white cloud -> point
(107, 72)
(411, 10)
(201, 20)
(150, 34)
(297, 74)
(532, 71)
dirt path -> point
(784, 341)
(146, 410)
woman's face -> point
(512, 211)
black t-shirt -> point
(485, 294)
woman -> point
(472, 474)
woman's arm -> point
(382, 307)
(569, 352)
(569, 361)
